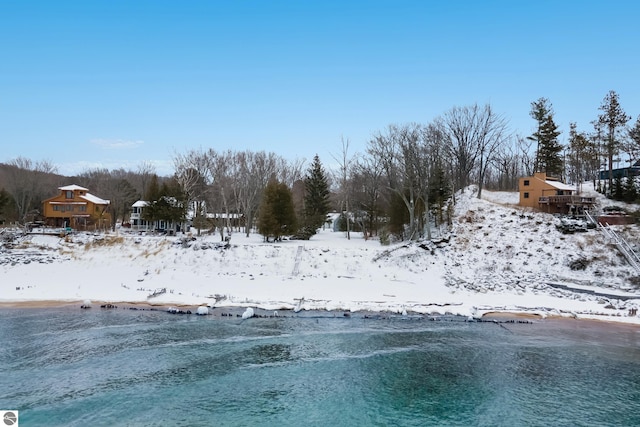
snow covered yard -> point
(500, 257)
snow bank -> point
(499, 258)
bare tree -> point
(526, 154)
(255, 169)
(143, 175)
(367, 182)
(111, 185)
(475, 134)
(506, 164)
(344, 163)
(397, 150)
(26, 182)
(193, 175)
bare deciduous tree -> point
(28, 182)
(475, 133)
(344, 164)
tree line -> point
(401, 186)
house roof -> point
(72, 187)
(140, 204)
(95, 199)
(560, 186)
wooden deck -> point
(567, 200)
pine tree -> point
(316, 198)
(548, 153)
(630, 190)
(613, 119)
(618, 189)
(152, 192)
(4, 201)
(439, 191)
(167, 202)
(277, 216)
(634, 136)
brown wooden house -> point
(550, 195)
(76, 208)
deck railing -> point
(566, 200)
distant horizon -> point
(113, 84)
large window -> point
(68, 194)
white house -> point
(136, 220)
(138, 223)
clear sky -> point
(113, 83)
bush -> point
(304, 233)
(384, 236)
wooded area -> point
(401, 185)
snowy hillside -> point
(500, 257)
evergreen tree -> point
(316, 198)
(277, 216)
(634, 136)
(4, 201)
(439, 191)
(152, 192)
(548, 153)
(579, 154)
(630, 190)
(397, 215)
(618, 189)
(167, 204)
(613, 119)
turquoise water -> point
(97, 367)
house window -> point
(68, 208)
(82, 208)
(526, 195)
(56, 207)
(526, 183)
(68, 194)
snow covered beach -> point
(500, 258)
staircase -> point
(623, 246)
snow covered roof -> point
(140, 204)
(560, 186)
(95, 199)
(72, 187)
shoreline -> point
(497, 316)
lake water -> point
(73, 367)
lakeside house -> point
(630, 171)
(136, 219)
(550, 195)
(138, 222)
(74, 207)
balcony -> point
(567, 200)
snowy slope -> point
(499, 257)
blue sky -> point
(114, 83)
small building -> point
(550, 195)
(139, 223)
(76, 208)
